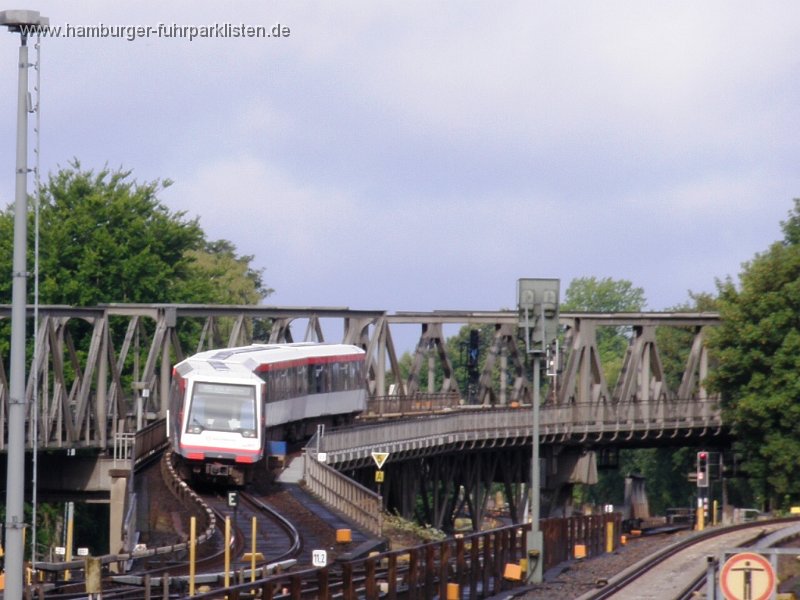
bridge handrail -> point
(488, 423)
(359, 504)
(401, 404)
(150, 440)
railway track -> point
(260, 537)
(681, 569)
(276, 538)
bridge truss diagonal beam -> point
(95, 362)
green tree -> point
(590, 294)
(232, 280)
(757, 349)
(674, 343)
(106, 238)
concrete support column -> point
(119, 492)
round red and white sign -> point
(747, 576)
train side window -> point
(335, 378)
(284, 384)
(297, 381)
(351, 375)
(357, 374)
(302, 381)
(319, 379)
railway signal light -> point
(703, 469)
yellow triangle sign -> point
(380, 458)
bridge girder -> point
(93, 363)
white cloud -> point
(242, 198)
(425, 155)
(708, 196)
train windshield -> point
(222, 407)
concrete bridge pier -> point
(83, 476)
(563, 467)
(118, 502)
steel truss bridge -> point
(104, 371)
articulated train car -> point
(227, 405)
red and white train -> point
(229, 406)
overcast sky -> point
(425, 155)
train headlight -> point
(195, 429)
(248, 433)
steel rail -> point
(628, 576)
(295, 538)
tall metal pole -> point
(537, 298)
(15, 481)
(536, 542)
(22, 21)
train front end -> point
(219, 435)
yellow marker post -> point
(192, 552)
(227, 552)
(609, 537)
(70, 525)
(253, 532)
(714, 514)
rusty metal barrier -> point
(562, 535)
(475, 563)
(397, 405)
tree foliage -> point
(675, 343)
(757, 348)
(590, 294)
(106, 238)
(228, 278)
(603, 295)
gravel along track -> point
(575, 578)
(676, 572)
(580, 579)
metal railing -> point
(561, 535)
(354, 501)
(123, 447)
(469, 566)
(512, 425)
(396, 405)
